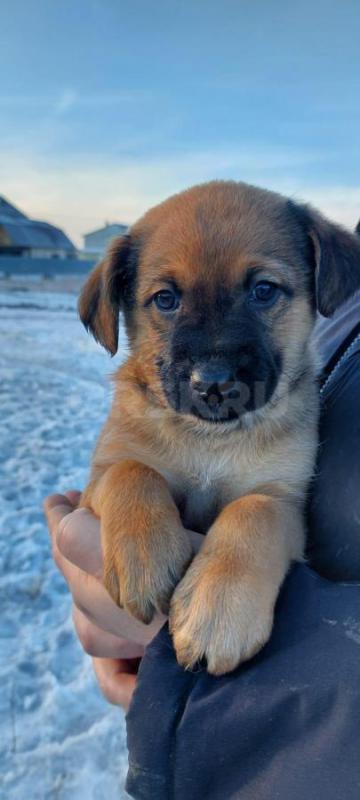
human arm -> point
(286, 724)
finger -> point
(78, 539)
(97, 642)
(116, 683)
(93, 600)
(56, 507)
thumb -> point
(79, 540)
(56, 507)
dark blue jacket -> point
(286, 725)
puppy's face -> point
(224, 302)
(218, 286)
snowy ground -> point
(59, 740)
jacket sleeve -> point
(334, 507)
(285, 725)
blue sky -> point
(108, 106)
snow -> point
(59, 739)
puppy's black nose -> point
(211, 379)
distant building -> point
(96, 242)
(21, 236)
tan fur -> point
(140, 524)
(244, 485)
(235, 576)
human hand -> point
(115, 639)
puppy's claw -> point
(187, 654)
(111, 583)
(140, 608)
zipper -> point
(339, 363)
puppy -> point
(213, 425)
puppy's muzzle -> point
(222, 390)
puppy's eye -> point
(166, 300)
(265, 293)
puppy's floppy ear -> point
(337, 262)
(109, 290)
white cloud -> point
(70, 97)
(79, 195)
(66, 101)
(340, 203)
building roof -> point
(9, 211)
(24, 232)
(110, 229)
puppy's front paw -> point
(220, 614)
(140, 573)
